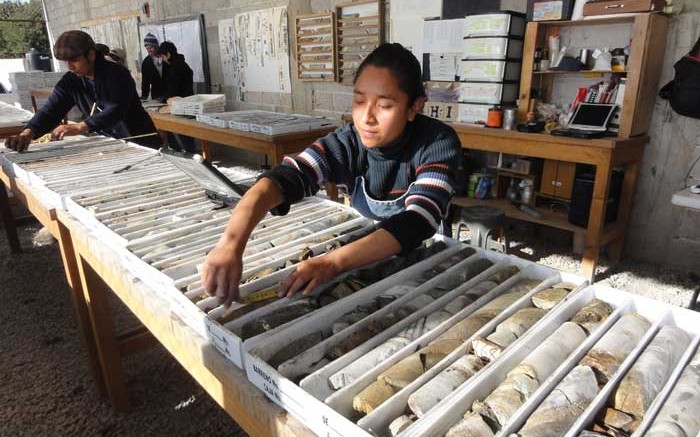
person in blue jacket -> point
(104, 92)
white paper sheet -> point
(443, 66)
(229, 57)
(415, 8)
(443, 36)
(408, 31)
(263, 51)
(407, 22)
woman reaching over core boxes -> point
(396, 165)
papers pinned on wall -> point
(229, 56)
(443, 36)
(263, 50)
(407, 23)
(442, 49)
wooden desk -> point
(603, 153)
(273, 146)
(92, 269)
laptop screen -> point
(592, 115)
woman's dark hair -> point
(403, 66)
(102, 49)
(167, 47)
(72, 44)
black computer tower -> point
(582, 196)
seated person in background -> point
(105, 94)
(397, 165)
(153, 70)
(118, 56)
(178, 83)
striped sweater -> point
(426, 155)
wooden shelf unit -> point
(603, 153)
(648, 39)
(581, 72)
(318, 32)
(364, 30)
(555, 219)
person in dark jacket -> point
(153, 70)
(104, 92)
(178, 83)
(102, 49)
(179, 80)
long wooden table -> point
(273, 146)
(605, 154)
(93, 269)
(5, 212)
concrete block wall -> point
(659, 232)
(317, 98)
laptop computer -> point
(590, 120)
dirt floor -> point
(45, 388)
(553, 248)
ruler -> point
(269, 293)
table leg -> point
(95, 292)
(276, 156)
(206, 151)
(70, 264)
(9, 220)
(596, 220)
(629, 184)
(163, 137)
(332, 191)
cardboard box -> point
(549, 10)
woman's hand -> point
(21, 141)
(66, 130)
(313, 272)
(221, 271)
(309, 274)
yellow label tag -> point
(269, 293)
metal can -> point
(510, 118)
